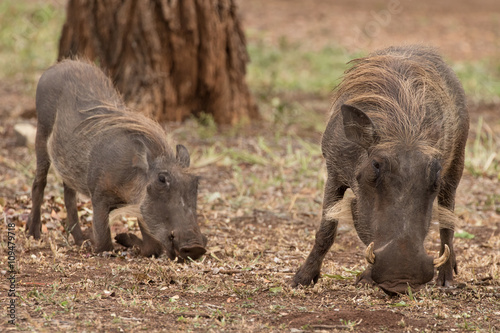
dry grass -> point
(258, 205)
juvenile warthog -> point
(116, 157)
(396, 137)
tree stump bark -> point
(168, 58)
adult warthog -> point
(396, 136)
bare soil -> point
(462, 30)
(258, 239)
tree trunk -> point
(168, 58)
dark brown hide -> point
(116, 157)
(396, 137)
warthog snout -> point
(193, 252)
(397, 267)
(438, 262)
(187, 243)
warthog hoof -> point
(305, 277)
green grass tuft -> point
(29, 37)
(481, 79)
(482, 155)
(288, 67)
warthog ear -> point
(358, 127)
(140, 159)
(182, 156)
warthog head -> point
(168, 209)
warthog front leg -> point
(72, 222)
(149, 246)
(445, 275)
(325, 236)
(130, 240)
(310, 270)
(100, 225)
(446, 199)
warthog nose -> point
(399, 288)
(193, 252)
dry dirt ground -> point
(258, 205)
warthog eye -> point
(435, 175)
(436, 181)
(376, 168)
(164, 178)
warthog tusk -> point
(369, 255)
(444, 257)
